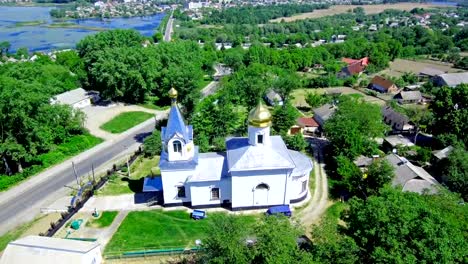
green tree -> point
(315, 100)
(379, 174)
(152, 145)
(284, 117)
(4, 47)
(277, 242)
(403, 227)
(455, 172)
(451, 112)
(226, 242)
(353, 128)
(295, 142)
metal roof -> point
(50, 250)
(212, 166)
(71, 97)
(406, 171)
(302, 162)
(243, 156)
(325, 111)
(454, 79)
(431, 72)
(411, 95)
(443, 153)
(176, 126)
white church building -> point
(257, 171)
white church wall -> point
(171, 180)
(295, 187)
(245, 194)
(201, 192)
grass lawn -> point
(121, 184)
(161, 230)
(104, 220)
(125, 121)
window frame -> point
(212, 198)
(260, 138)
(179, 146)
(303, 186)
(181, 190)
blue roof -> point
(176, 125)
(152, 184)
(165, 164)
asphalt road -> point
(25, 206)
(167, 34)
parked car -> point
(198, 214)
(280, 209)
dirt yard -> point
(339, 9)
(399, 66)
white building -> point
(78, 98)
(50, 250)
(257, 171)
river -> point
(43, 38)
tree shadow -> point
(135, 185)
(140, 137)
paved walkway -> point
(107, 234)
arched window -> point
(177, 145)
(262, 186)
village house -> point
(451, 79)
(397, 121)
(383, 85)
(323, 113)
(395, 141)
(411, 97)
(304, 125)
(411, 178)
(353, 67)
(77, 98)
(273, 98)
(429, 73)
(256, 171)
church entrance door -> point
(261, 194)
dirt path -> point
(319, 202)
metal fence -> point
(150, 252)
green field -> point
(125, 121)
(104, 220)
(161, 230)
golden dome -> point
(260, 116)
(172, 93)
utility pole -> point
(92, 169)
(76, 175)
(128, 167)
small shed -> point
(50, 250)
(273, 98)
(411, 97)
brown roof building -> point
(383, 85)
